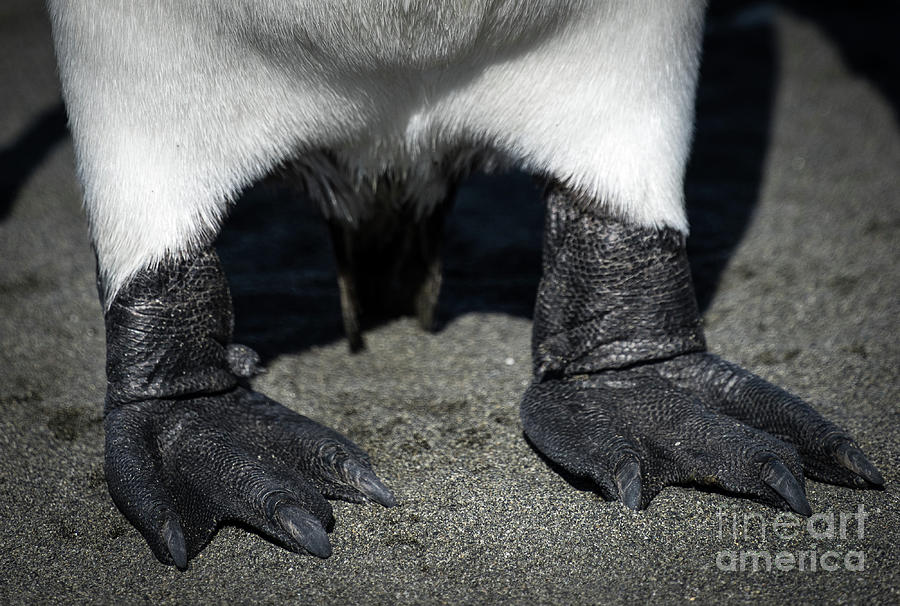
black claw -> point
(782, 481)
(628, 479)
(367, 482)
(305, 529)
(173, 537)
(853, 459)
(373, 488)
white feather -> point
(176, 106)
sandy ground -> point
(793, 194)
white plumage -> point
(175, 106)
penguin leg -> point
(625, 393)
(389, 265)
(189, 447)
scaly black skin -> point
(188, 447)
(625, 394)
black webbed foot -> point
(179, 468)
(188, 447)
(633, 432)
(625, 394)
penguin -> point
(379, 109)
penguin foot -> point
(625, 393)
(693, 419)
(189, 447)
(179, 468)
